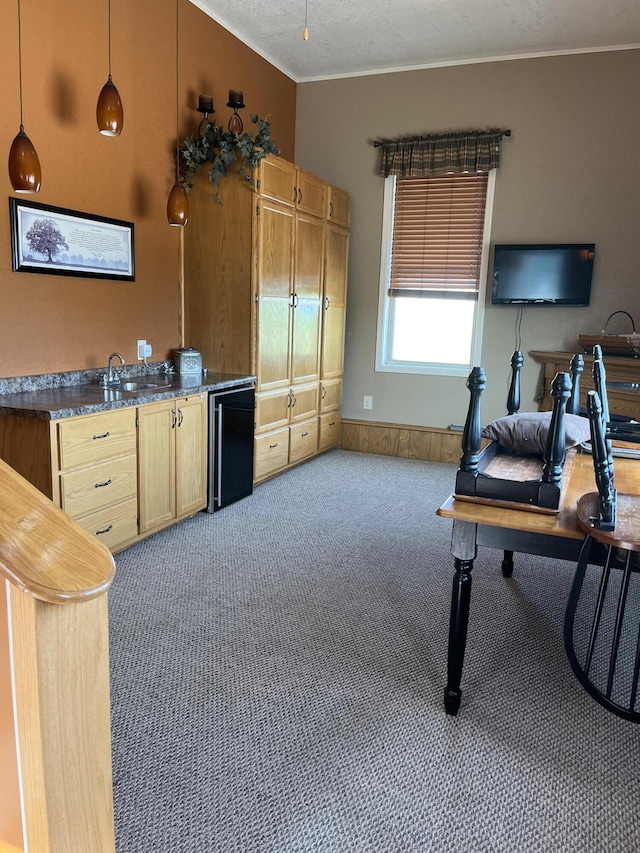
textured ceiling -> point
(348, 37)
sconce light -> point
(205, 106)
(109, 113)
(236, 103)
(24, 167)
(178, 201)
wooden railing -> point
(55, 750)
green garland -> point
(227, 152)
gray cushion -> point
(527, 432)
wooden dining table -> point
(516, 530)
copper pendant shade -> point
(178, 201)
(109, 113)
(178, 206)
(24, 167)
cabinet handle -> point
(106, 530)
(333, 423)
(293, 399)
(299, 195)
(330, 209)
(180, 417)
(173, 418)
(304, 435)
(295, 194)
(324, 393)
(105, 435)
(326, 303)
(289, 400)
(271, 446)
(102, 485)
(296, 299)
(291, 300)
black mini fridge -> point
(231, 427)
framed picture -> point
(53, 240)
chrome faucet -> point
(113, 376)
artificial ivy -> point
(227, 152)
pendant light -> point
(178, 202)
(109, 114)
(305, 32)
(24, 167)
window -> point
(433, 272)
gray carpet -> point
(277, 679)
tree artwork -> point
(45, 239)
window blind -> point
(437, 235)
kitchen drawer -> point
(330, 430)
(303, 440)
(330, 395)
(114, 526)
(89, 489)
(92, 439)
(271, 453)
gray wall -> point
(569, 173)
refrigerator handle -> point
(219, 453)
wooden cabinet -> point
(122, 474)
(96, 471)
(171, 460)
(264, 294)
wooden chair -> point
(602, 619)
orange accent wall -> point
(53, 323)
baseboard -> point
(431, 444)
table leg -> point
(507, 564)
(463, 548)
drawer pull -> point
(333, 423)
(104, 435)
(106, 530)
(271, 446)
(102, 485)
(304, 435)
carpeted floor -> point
(277, 679)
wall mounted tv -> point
(542, 274)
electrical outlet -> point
(368, 402)
(141, 346)
(148, 352)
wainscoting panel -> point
(410, 442)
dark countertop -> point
(84, 399)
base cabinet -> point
(121, 474)
(171, 460)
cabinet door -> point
(275, 249)
(305, 348)
(276, 180)
(191, 454)
(333, 341)
(338, 206)
(273, 327)
(312, 193)
(336, 263)
(157, 464)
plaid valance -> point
(442, 154)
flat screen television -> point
(542, 274)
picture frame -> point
(57, 241)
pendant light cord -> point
(177, 107)
(20, 63)
(109, 31)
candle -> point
(205, 104)
(235, 98)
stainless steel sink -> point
(136, 385)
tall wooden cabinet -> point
(265, 292)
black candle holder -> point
(236, 103)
